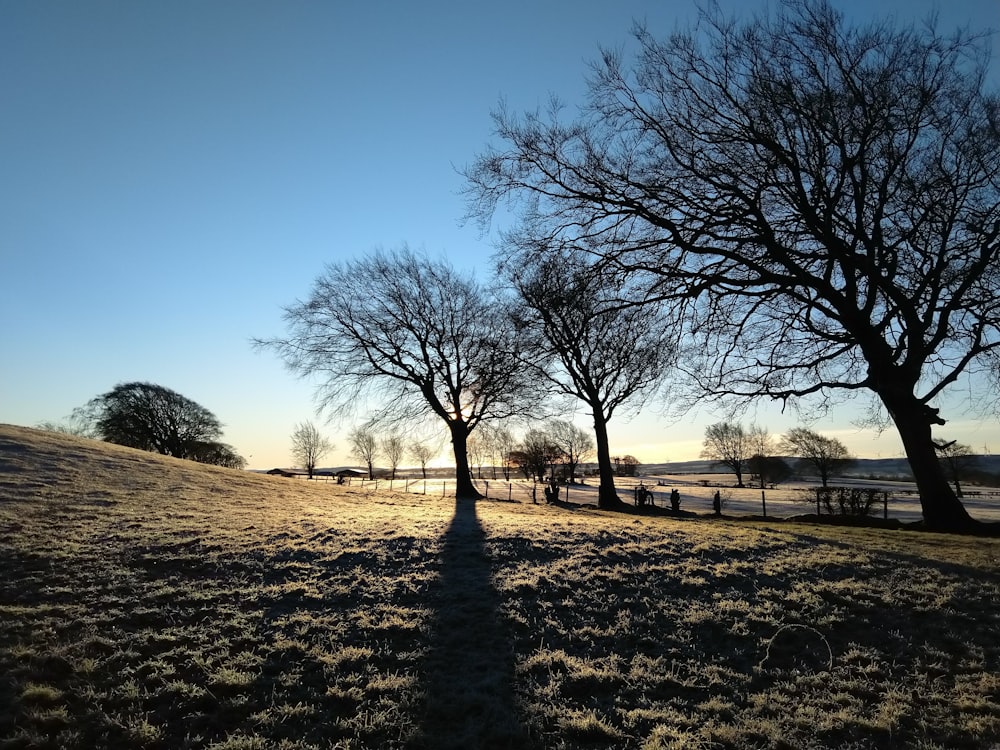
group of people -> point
(643, 495)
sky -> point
(173, 174)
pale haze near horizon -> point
(176, 173)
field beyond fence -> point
(895, 499)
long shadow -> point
(469, 671)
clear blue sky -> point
(172, 174)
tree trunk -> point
(942, 509)
(464, 488)
(607, 496)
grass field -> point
(154, 603)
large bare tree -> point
(591, 340)
(413, 336)
(824, 196)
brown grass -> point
(150, 602)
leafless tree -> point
(75, 424)
(825, 454)
(393, 448)
(729, 444)
(576, 444)
(504, 442)
(492, 444)
(823, 197)
(479, 451)
(627, 465)
(413, 335)
(422, 452)
(309, 446)
(537, 454)
(364, 447)
(958, 459)
(763, 463)
(591, 340)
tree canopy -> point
(413, 338)
(153, 418)
(822, 198)
(824, 454)
(590, 337)
(729, 444)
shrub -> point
(848, 501)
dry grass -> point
(148, 602)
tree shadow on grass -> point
(469, 671)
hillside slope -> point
(147, 602)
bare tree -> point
(590, 340)
(393, 448)
(763, 464)
(491, 443)
(413, 335)
(958, 459)
(823, 197)
(576, 445)
(825, 454)
(422, 452)
(364, 447)
(504, 443)
(729, 444)
(537, 454)
(76, 423)
(627, 465)
(479, 451)
(309, 446)
(761, 451)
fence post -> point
(444, 486)
(763, 501)
(510, 491)
(885, 506)
(487, 483)
(817, 501)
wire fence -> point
(696, 496)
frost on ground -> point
(150, 602)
